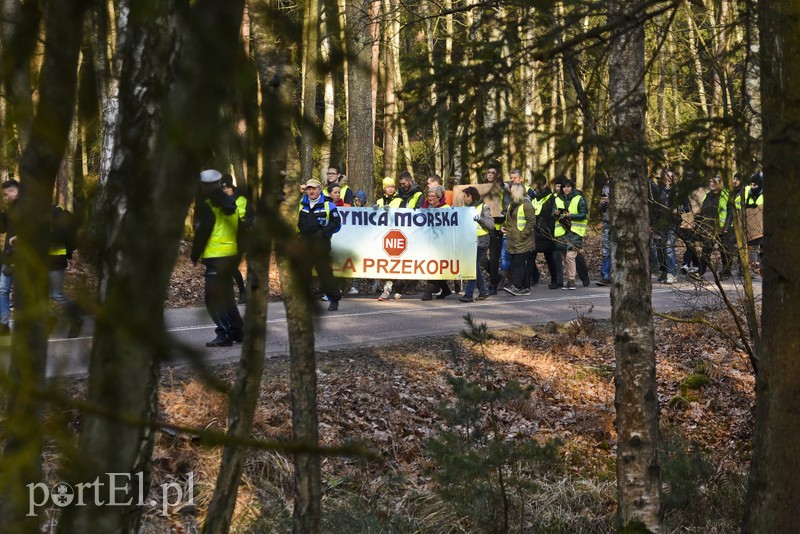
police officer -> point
(216, 245)
(317, 221)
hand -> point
(477, 218)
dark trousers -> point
(219, 299)
(495, 249)
(519, 270)
(553, 259)
(318, 256)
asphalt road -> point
(363, 321)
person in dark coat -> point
(317, 221)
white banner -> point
(401, 243)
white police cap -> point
(209, 176)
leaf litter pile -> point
(393, 401)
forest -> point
(110, 109)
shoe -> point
(662, 277)
(513, 290)
(483, 296)
(603, 282)
(237, 338)
(553, 285)
(671, 279)
(325, 298)
(571, 285)
(684, 269)
(398, 296)
(493, 291)
(586, 282)
(465, 299)
(695, 276)
(220, 341)
(524, 291)
(427, 296)
(5, 330)
(385, 294)
(693, 269)
(75, 328)
(333, 306)
(443, 295)
(353, 291)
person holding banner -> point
(439, 288)
(390, 198)
(317, 221)
(485, 224)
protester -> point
(485, 224)
(334, 176)
(543, 201)
(494, 177)
(713, 224)
(438, 288)
(519, 225)
(571, 215)
(8, 226)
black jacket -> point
(63, 234)
(8, 226)
(316, 221)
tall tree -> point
(272, 63)
(41, 158)
(773, 498)
(638, 474)
(310, 53)
(360, 148)
(150, 187)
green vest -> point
(222, 242)
(394, 203)
(241, 207)
(538, 203)
(414, 200)
(749, 201)
(521, 217)
(579, 227)
(479, 213)
(722, 209)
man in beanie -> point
(317, 221)
(216, 246)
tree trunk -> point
(150, 187)
(359, 124)
(310, 48)
(107, 72)
(23, 433)
(19, 31)
(697, 63)
(638, 472)
(272, 63)
(773, 499)
(329, 115)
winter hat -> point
(361, 195)
(209, 176)
(389, 181)
(757, 180)
(226, 181)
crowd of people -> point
(63, 237)
(546, 218)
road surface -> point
(363, 321)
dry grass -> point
(392, 402)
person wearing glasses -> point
(334, 176)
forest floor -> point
(445, 417)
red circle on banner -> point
(395, 243)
